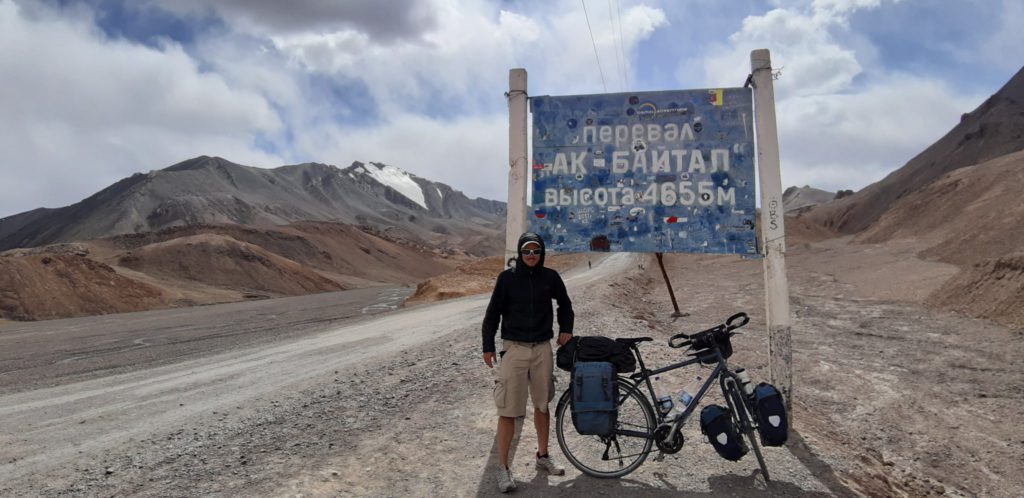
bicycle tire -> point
(624, 453)
(741, 410)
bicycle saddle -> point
(629, 341)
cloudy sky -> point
(93, 91)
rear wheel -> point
(617, 454)
(742, 417)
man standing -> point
(521, 302)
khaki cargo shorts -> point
(525, 366)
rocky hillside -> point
(994, 129)
(212, 190)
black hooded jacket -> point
(521, 302)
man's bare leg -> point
(542, 421)
(506, 431)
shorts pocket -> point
(551, 389)
(499, 393)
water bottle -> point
(686, 395)
(745, 384)
(664, 400)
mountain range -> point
(207, 230)
(212, 190)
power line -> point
(618, 60)
(594, 43)
(626, 61)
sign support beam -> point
(518, 162)
(776, 285)
(671, 294)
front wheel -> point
(742, 417)
(617, 454)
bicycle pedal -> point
(659, 457)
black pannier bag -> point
(594, 394)
(771, 415)
(595, 348)
(716, 424)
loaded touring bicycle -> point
(607, 422)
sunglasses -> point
(531, 252)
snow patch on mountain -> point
(397, 179)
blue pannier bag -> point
(716, 424)
(594, 394)
(771, 415)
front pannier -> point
(771, 415)
(594, 394)
(716, 424)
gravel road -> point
(399, 404)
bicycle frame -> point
(720, 372)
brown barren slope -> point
(205, 264)
(224, 262)
(992, 289)
(972, 214)
(972, 218)
(478, 277)
(343, 252)
(62, 284)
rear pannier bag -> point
(716, 424)
(771, 415)
(594, 395)
(595, 348)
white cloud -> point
(1005, 40)
(421, 87)
(841, 125)
(80, 111)
(850, 140)
(464, 62)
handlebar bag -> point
(724, 347)
(716, 424)
(595, 348)
(595, 392)
(703, 343)
(770, 411)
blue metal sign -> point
(645, 172)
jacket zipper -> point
(532, 318)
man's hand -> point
(563, 338)
(489, 359)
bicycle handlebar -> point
(708, 338)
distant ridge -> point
(213, 190)
(994, 129)
(796, 199)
